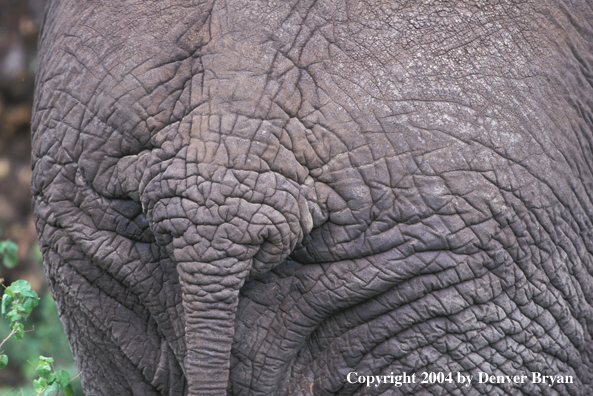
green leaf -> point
(30, 303)
(43, 368)
(10, 261)
(9, 250)
(46, 359)
(54, 386)
(3, 361)
(68, 391)
(6, 302)
(13, 316)
(17, 326)
(63, 378)
(20, 309)
(51, 378)
(7, 247)
(20, 286)
(30, 294)
(40, 385)
(19, 330)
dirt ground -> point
(19, 27)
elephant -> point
(319, 197)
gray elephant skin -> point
(260, 197)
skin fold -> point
(251, 197)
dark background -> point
(20, 21)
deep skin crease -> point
(251, 197)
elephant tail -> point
(220, 230)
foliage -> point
(51, 381)
(48, 339)
(8, 250)
(17, 304)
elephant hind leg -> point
(307, 327)
(118, 345)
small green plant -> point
(17, 303)
(51, 381)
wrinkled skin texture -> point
(256, 198)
